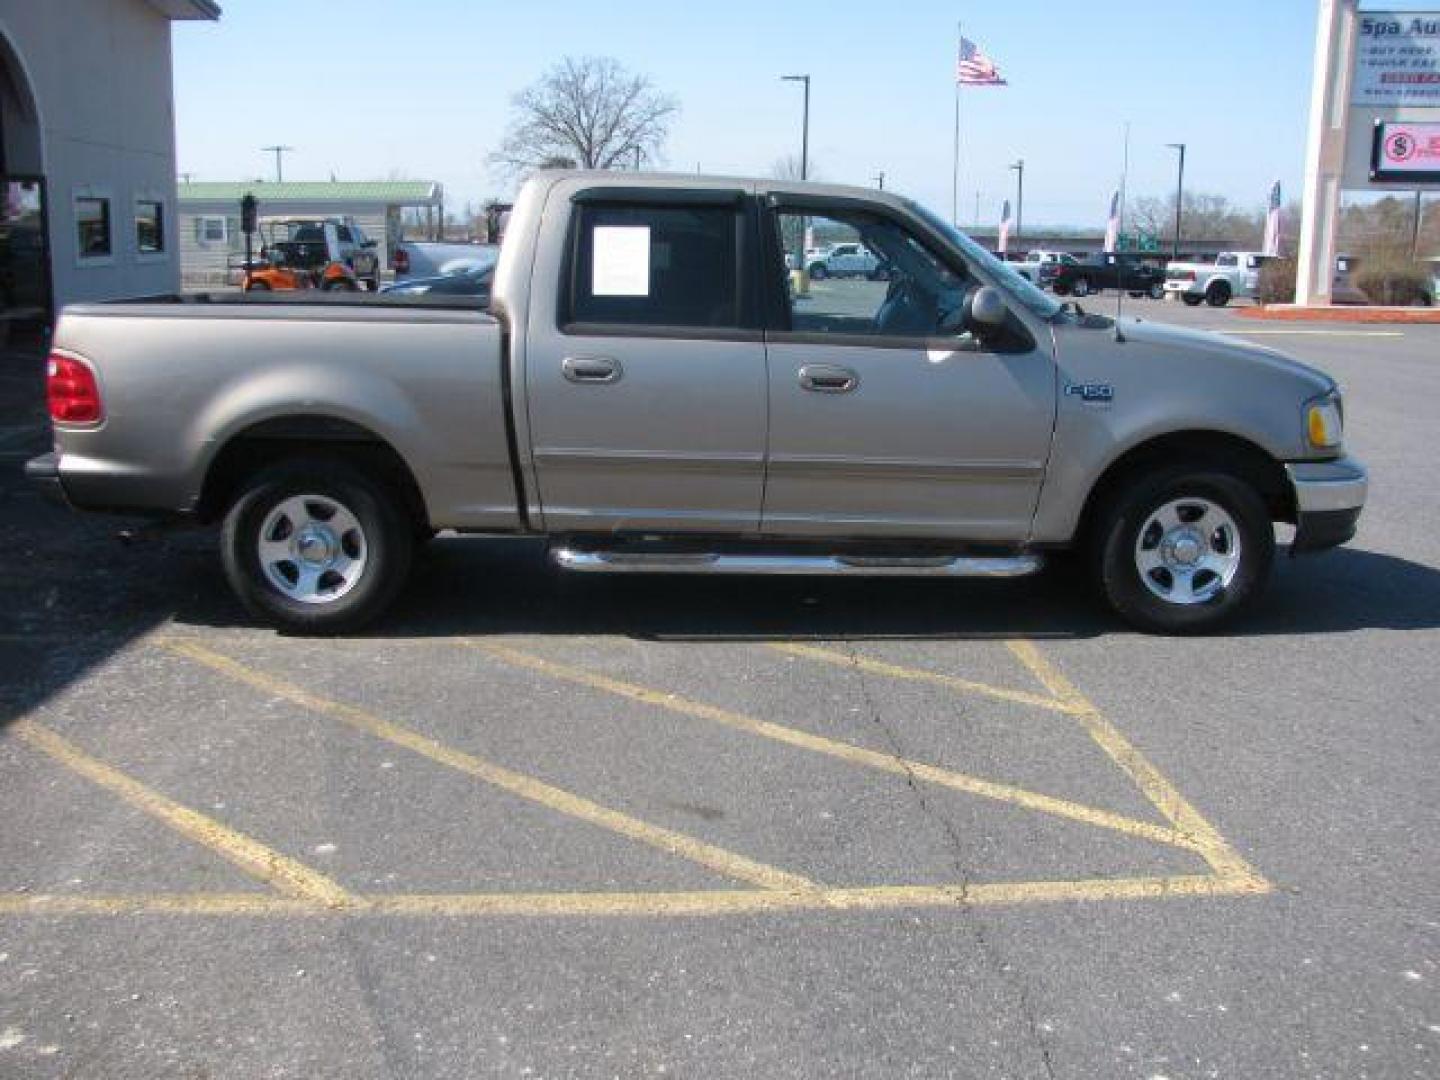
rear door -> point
(646, 380)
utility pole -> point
(279, 152)
(1415, 235)
(880, 179)
(1019, 170)
(805, 126)
(1179, 199)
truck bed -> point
(424, 375)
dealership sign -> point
(1397, 59)
(1406, 152)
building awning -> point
(187, 9)
(384, 192)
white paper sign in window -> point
(621, 263)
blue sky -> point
(369, 88)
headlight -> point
(1324, 423)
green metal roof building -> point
(209, 216)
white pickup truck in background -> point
(1232, 274)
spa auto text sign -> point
(1397, 59)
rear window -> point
(661, 266)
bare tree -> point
(1209, 217)
(589, 113)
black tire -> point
(1218, 294)
(389, 543)
(1118, 533)
(1156, 291)
(1081, 287)
(1192, 301)
(818, 272)
(1060, 288)
(257, 286)
(340, 285)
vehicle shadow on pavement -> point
(467, 587)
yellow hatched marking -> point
(284, 874)
(931, 774)
(1223, 859)
(526, 787)
(950, 682)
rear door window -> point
(655, 266)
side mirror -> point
(987, 309)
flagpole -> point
(955, 163)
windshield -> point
(1006, 278)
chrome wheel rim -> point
(312, 549)
(1188, 551)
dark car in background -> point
(1136, 274)
(468, 281)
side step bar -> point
(618, 562)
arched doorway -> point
(25, 292)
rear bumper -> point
(43, 473)
(1329, 496)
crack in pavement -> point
(1008, 973)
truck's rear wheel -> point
(1183, 550)
(313, 546)
(1191, 300)
(1081, 287)
(1218, 294)
(818, 272)
(1156, 291)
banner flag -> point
(1272, 221)
(1112, 228)
(1004, 244)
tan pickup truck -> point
(652, 392)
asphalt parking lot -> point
(552, 826)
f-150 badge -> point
(1094, 392)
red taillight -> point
(71, 391)
(402, 261)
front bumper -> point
(1329, 496)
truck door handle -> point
(828, 379)
(591, 369)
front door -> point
(885, 424)
(647, 388)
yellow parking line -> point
(164, 904)
(635, 904)
(931, 774)
(1223, 859)
(950, 682)
(526, 787)
(289, 877)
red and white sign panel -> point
(1406, 151)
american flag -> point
(975, 68)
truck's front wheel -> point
(313, 546)
(1183, 550)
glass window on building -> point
(149, 226)
(92, 223)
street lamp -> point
(1018, 168)
(1179, 198)
(805, 126)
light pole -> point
(1179, 198)
(278, 151)
(1019, 170)
(805, 126)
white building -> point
(87, 150)
(211, 245)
